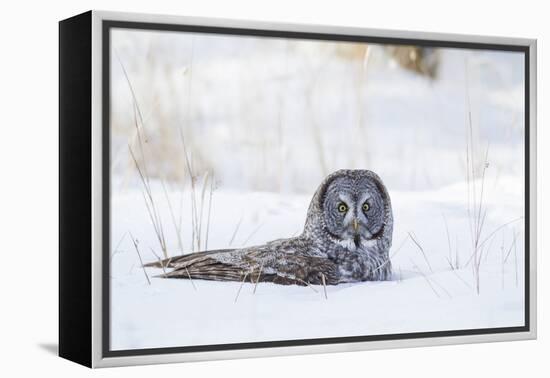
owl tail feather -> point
(185, 260)
(209, 265)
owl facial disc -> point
(354, 206)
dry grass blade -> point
(456, 274)
(173, 216)
(120, 240)
(422, 251)
(468, 183)
(489, 248)
(190, 279)
(156, 228)
(490, 237)
(236, 230)
(461, 279)
(442, 288)
(134, 98)
(392, 256)
(159, 260)
(140, 260)
(258, 279)
(115, 251)
(435, 282)
(240, 287)
(457, 258)
(400, 275)
(209, 212)
(315, 126)
(194, 215)
(151, 208)
(481, 219)
(252, 234)
(201, 212)
(450, 259)
(426, 278)
(502, 263)
(511, 247)
(307, 284)
(498, 229)
(516, 263)
(474, 208)
(324, 285)
(178, 231)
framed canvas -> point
(234, 189)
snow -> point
(172, 313)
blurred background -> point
(270, 114)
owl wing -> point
(218, 265)
(275, 262)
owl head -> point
(352, 208)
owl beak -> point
(355, 224)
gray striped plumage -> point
(336, 246)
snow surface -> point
(171, 313)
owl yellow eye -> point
(366, 207)
(342, 208)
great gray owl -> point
(346, 238)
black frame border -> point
(107, 25)
(75, 189)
